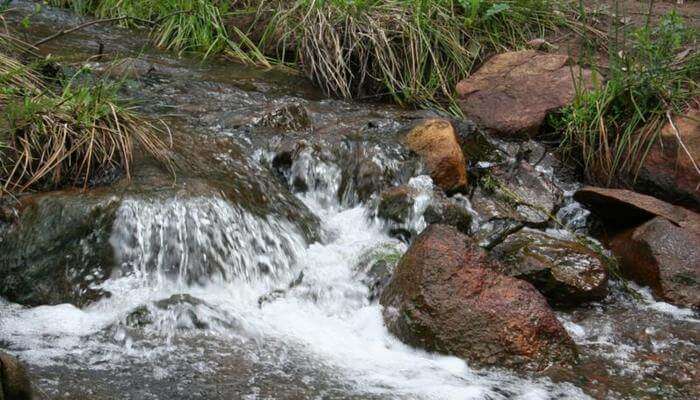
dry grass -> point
(73, 139)
(413, 51)
(71, 134)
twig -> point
(680, 141)
(86, 24)
(106, 20)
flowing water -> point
(215, 298)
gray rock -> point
(58, 249)
(566, 272)
(519, 193)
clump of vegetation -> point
(413, 51)
(73, 138)
(653, 75)
(55, 134)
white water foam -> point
(169, 248)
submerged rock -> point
(435, 141)
(396, 204)
(512, 93)
(14, 381)
(58, 248)
(669, 170)
(446, 296)
(376, 268)
(292, 117)
(566, 272)
(663, 256)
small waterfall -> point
(202, 240)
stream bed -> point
(240, 278)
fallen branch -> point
(81, 26)
(106, 20)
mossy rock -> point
(57, 249)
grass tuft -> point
(56, 134)
(75, 138)
(610, 130)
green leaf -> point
(496, 9)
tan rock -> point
(511, 94)
(435, 141)
(14, 382)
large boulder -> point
(664, 256)
(511, 94)
(446, 296)
(566, 272)
(14, 381)
(670, 169)
(436, 142)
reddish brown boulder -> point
(445, 296)
(511, 94)
(663, 256)
(670, 170)
(437, 144)
(619, 207)
(14, 382)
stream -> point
(242, 277)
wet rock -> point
(449, 212)
(58, 249)
(435, 141)
(519, 193)
(663, 256)
(495, 231)
(669, 170)
(396, 204)
(368, 178)
(292, 117)
(566, 272)
(376, 268)
(478, 150)
(446, 296)
(625, 208)
(511, 94)
(14, 381)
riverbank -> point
(415, 52)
